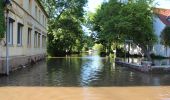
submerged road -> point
(82, 71)
(83, 77)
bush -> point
(157, 56)
(99, 47)
(2, 19)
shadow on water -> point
(87, 70)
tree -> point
(2, 19)
(165, 37)
(88, 42)
(105, 21)
(137, 24)
(65, 36)
(64, 27)
(56, 8)
(115, 22)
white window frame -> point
(29, 37)
(10, 31)
(35, 39)
(19, 34)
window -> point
(43, 20)
(29, 37)
(39, 18)
(36, 9)
(30, 5)
(168, 18)
(10, 31)
(35, 39)
(19, 34)
(44, 41)
(39, 37)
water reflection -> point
(157, 62)
(90, 70)
(81, 70)
(162, 62)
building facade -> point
(161, 20)
(26, 32)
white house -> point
(161, 20)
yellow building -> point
(27, 32)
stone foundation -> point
(19, 62)
(145, 67)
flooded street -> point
(83, 77)
(82, 71)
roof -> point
(42, 7)
(163, 14)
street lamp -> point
(8, 7)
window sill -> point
(10, 45)
(19, 45)
(29, 47)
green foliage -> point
(138, 17)
(99, 48)
(56, 8)
(88, 42)
(105, 21)
(115, 22)
(138, 23)
(165, 36)
(65, 34)
(2, 19)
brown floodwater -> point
(84, 93)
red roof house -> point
(164, 15)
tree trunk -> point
(148, 55)
(166, 51)
(109, 48)
(146, 52)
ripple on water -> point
(89, 70)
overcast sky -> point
(163, 3)
(93, 4)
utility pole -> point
(8, 6)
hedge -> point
(2, 19)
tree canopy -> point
(165, 36)
(56, 8)
(116, 22)
(2, 19)
(138, 26)
(113, 23)
(65, 31)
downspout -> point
(7, 51)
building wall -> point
(23, 13)
(26, 16)
(159, 49)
